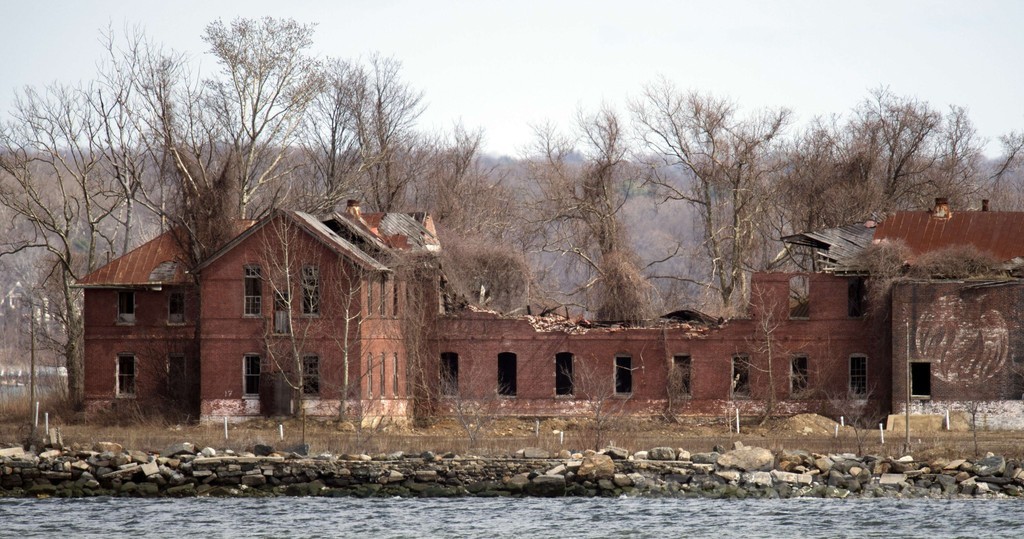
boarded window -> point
(679, 378)
(563, 373)
(253, 301)
(921, 380)
(799, 297)
(859, 375)
(251, 375)
(741, 376)
(311, 374)
(126, 307)
(383, 374)
(798, 377)
(623, 375)
(857, 297)
(176, 308)
(369, 376)
(507, 374)
(383, 284)
(126, 375)
(310, 290)
(394, 298)
(449, 373)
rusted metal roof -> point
(1000, 234)
(159, 261)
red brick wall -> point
(969, 334)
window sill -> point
(175, 324)
(125, 396)
(124, 323)
(252, 315)
(251, 396)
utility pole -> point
(32, 369)
(906, 410)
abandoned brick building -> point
(346, 312)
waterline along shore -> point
(107, 469)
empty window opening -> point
(623, 375)
(251, 375)
(126, 375)
(126, 307)
(383, 374)
(369, 375)
(507, 374)
(383, 283)
(859, 376)
(177, 375)
(282, 321)
(798, 377)
(176, 308)
(310, 290)
(799, 297)
(679, 378)
(311, 375)
(394, 298)
(921, 380)
(394, 375)
(563, 374)
(741, 376)
(449, 374)
(857, 297)
(253, 304)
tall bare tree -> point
(727, 163)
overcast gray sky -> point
(507, 65)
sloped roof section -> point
(159, 261)
(410, 230)
(1000, 234)
(333, 240)
(836, 247)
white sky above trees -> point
(507, 65)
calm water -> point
(519, 518)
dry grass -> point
(508, 435)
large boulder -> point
(990, 466)
(547, 485)
(748, 459)
(597, 467)
(536, 453)
(662, 453)
(174, 450)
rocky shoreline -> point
(106, 469)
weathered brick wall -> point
(971, 335)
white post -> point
(881, 433)
(280, 430)
(536, 428)
(842, 421)
(837, 431)
(225, 427)
(36, 420)
(947, 419)
(737, 420)
(46, 417)
(561, 438)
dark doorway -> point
(921, 379)
(507, 374)
(563, 373)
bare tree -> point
(727, 164)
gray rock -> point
(747, 459)
(426, 476)
(616, 453)
(261, 450)
(596, 467)
(183, 448)
(536, 453)
(892, 479)
(989, 466)
(547, 486)
(622, 480)
(209, 452)
(662, 453)
(705, 458)
(641, 455)
(103, 447)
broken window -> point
(449, 374)
(383, 283)
(126, 307)
(679, 378)
(177, 375)
(311, 374)
(798, 377)
(394, 298)
(282, 318)
(740, 376)
(251, 375)
(507, 374)
(253, 304)
(859, 376)
(176, 307)
(921, 380)
(857, 297)
(563, 373)
(799, 297)
(126, 375)
(310, 290)
(623, 375)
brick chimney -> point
(941, 210)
